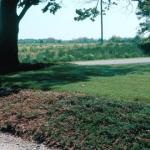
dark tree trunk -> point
(9, 27)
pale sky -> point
(120, 21)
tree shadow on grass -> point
(60, 74)
(21, 67)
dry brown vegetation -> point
(26, 112)
(71, 122)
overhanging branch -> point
(23, 12)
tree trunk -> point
(9, 27)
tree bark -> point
(9, 28)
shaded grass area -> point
(35, 53)
(68, 121)
(119, 82)
(22, 67)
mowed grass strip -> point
(128, 88)
(117, 82)
(66, 121)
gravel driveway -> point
(114, 61)
(8, 142)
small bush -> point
(89, 56)
(145, 45)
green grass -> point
(118, 82)
(131, 87)
(34, 53)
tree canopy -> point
(144, 13)
(51, 5)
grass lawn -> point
(129, 87)
(110, 112)
(118, 82)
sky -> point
(119, 21)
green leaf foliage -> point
(144, 13)
(93, 12)
(50, 5)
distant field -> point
(72, 52)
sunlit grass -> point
(129, 87)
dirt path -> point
(8, 142)
(114, 61)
